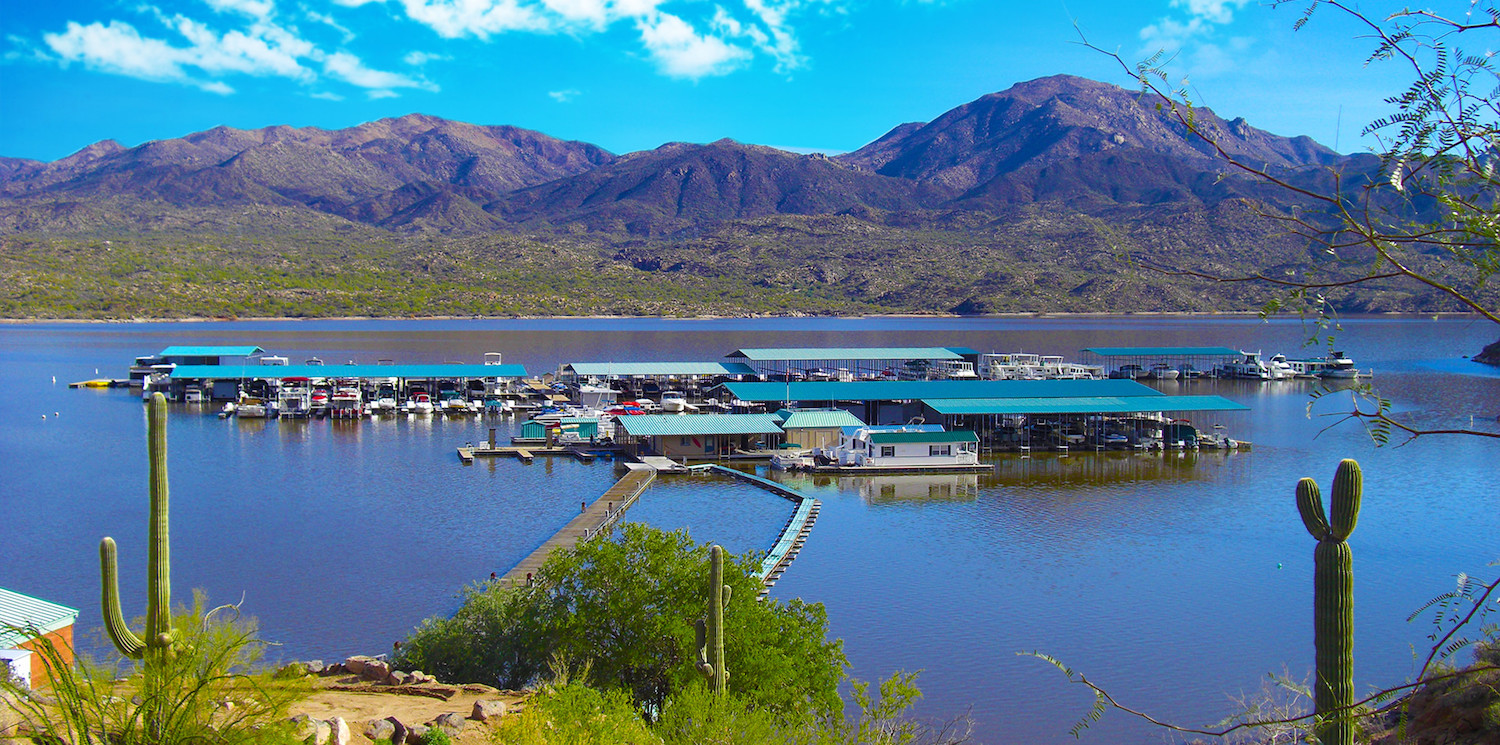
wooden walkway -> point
(793, 534)
(468, 453)
(594, 518)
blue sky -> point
(632, 74)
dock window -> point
(684, 440)
(939, 450)
(887, 451)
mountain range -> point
(1059, 174)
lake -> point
(1178, 581)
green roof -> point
(817, 419)
(1163, 351)
(211, 351)
(898, 438)
(904, 390)
(1081, 405)
(778, 354)
(17, 609)
(264, 372)
(671, 425)
(627, 369)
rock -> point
(480, 688)
(398, 678)
(452, 722)
(306, 729)
(315, 667)
(356, 665)
(487, 709)
(417, 734)
(293, 670)
(377, 671)
(338, 731)
(378, 729)
(399, 731)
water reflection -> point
(1090, 470)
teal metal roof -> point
(17, 609)
(672, 425)
(1163, 351)
(897, 438)
(627, 369)
(817, 419)
(190, 351)
(264, 372)
(903, 390)
(778, 354)
(1082, 405)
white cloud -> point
(350, 69)
(417, 59)
(453, 19)
(329, 21)
(681, 52)
(328, 96)
(376, 95)
(258, 9)
(1189, 37)
(564, 96)
(263, 48)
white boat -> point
(1128, 372)
(385, 399)
(902, 447)
(673, 402)
(1161, 371)
(1280, 368)
(294, 397)
(420, 404)
(1338, 366)
(251, 407)
(1252, 367)
(347, 403)
(193, 395)
(952, 370)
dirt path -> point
(358, 703)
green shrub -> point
(574, 714)
(628, 606)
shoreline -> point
(876, 316)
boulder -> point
(452, 722)
(379, 729)
(398, 678)
(487, 709)
(338, 731)
(293, 670)
(315, 667)
(480, 688)
(399, 731)
(356, 665)
(307, 729)
(416, 734)
(376, 671)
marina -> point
(1042, 552)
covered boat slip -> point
(1186, 360)
(634, 379)
(700, 436)
(855, 361)
(225, 380)
(1099, 423)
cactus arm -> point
(702, 646)
(1310, 506)
(114, 621)
(159, 603)
(1348, 484)
(1334, 640)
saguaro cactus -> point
(159, 601)
(1333, 599)
(713, 667)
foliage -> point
(626, 605)
(436, 736)
(184, 701)
(575, 714)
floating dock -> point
(604, 512)
(793, 535)
(468, 453)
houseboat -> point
(347, 403)
(909, 447)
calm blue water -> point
(1178, 581)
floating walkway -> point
(604, 512)
(793, 535)
(468, 453)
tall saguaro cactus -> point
(713, 666)
(1333, 599)
(159, 601)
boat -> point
(193, 395)
(1280, 368)
(908, 447)
(385, 399)
(294, 398)
(1161, 371)
(1251, 367)
(673, 402)
(1128, 372)
(347, 403)
(1338, 366)
(420, 404)
(252, 407)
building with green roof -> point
(815, 428)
